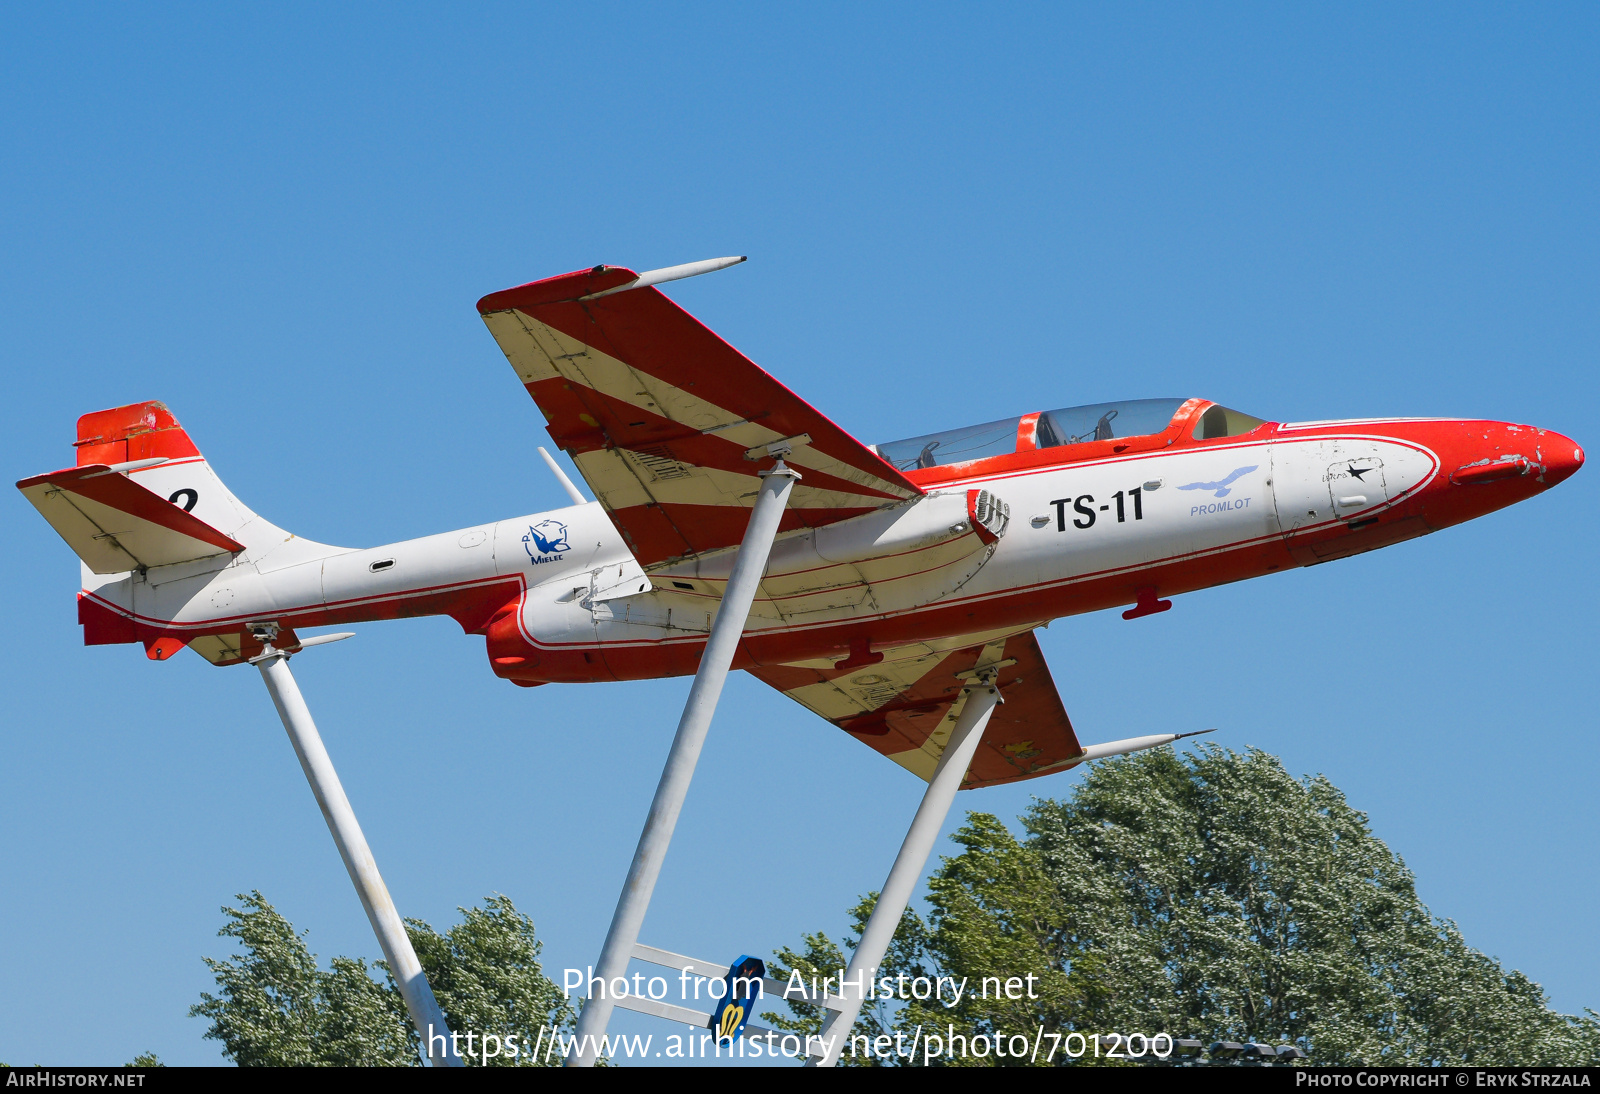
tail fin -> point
(173, 559)
(148, 431)
(142, 496)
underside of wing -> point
(114, 524)
(906, 705)
(669, 424)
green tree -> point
(819, 956)
(993, 909)
(269, 1011)
(1213, 895)
(361, 1022)
(275, 1007)
(486, 975)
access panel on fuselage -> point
(1300, 487)
(1356, 483)
(1320, 480)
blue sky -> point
(277, 221)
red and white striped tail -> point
(141, 496)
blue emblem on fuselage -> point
(1222, 486)
(546, 541)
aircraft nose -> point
(1485, 466)
(1537, 458)
(1562, 457)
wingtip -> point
(558, 289)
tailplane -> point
(144, 512)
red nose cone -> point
(1485, 466)
(1562, 457)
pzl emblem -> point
(546, 541)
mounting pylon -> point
(715, 662)
(353, 849)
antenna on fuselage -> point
(555, 469)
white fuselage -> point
(1068, 524)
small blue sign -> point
(738, 999)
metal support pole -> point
(715, 661)
(982, 698)
(358, 860)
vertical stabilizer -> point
(159, 535)
(147, 431)
(171, 558)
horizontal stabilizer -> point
(114, 524)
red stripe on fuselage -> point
(469, 603)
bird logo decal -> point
(1223, 486)
(548, 537)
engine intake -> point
(989, 515)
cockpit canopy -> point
(1054, 428)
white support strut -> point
(982, 697)
(676, 775)
(358, 860)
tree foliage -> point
(1214, 896)
(486, 975)
(275, 1007)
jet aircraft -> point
(899, 567)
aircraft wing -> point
(906, 706)
(667, 422)
(114, 524)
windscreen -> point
(1073, 425)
